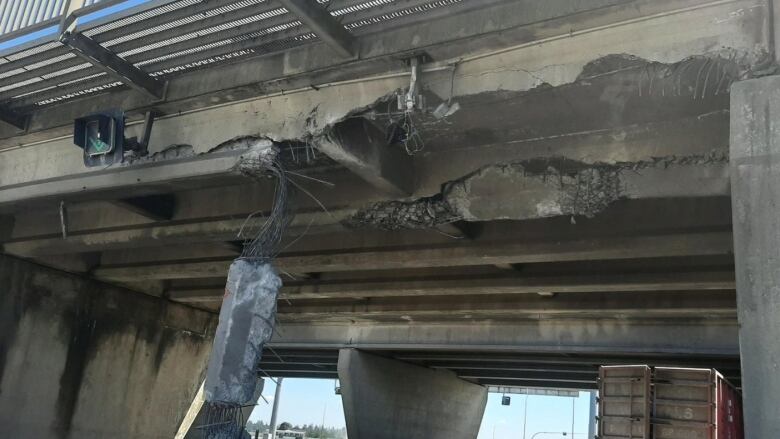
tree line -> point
(312, 431)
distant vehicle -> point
(290, 434)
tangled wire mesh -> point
(223, 421)
(261, 241)
(262, 232)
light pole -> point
(573, 401)
(525, 414)
(275, 409)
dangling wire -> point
(262, 242)
(413, 142)
(223, 421)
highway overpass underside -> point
(568, 206)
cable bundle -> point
(263, 242)
(247, 316)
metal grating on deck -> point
(19, 16)
(169, 37)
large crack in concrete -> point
(547, 186)
(697, 78)
(527, 189)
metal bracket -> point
(319, 20)
(70, 18)
(141, 146)
(111, 63)
(412, 100)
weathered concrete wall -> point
(81, 359)
(389, 399)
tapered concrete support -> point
(389, 399)
(755, 181)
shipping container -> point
(640, 402)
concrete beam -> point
(158, 174)
(389, 399)
(158, 207)
(476, 286)
(324, 25)
(151, 235)
(699, 244)
(620, 306)
(363, 148)
(548, 187)
(547, 336)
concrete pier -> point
(82, 359)
(755, 182)
(389, 399)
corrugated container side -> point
(624, 408)
(682, 403)
(729, 411)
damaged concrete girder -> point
(590, 28)
(551, 186)
(556, 186)
(363, 148)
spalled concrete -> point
(389, 399)
(755, 154)
(548, 187)
(80, 359)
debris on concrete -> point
(423, 213)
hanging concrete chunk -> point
(246, 323)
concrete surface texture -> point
(81, 359)
(574, 209)
(755, 183)
(390, 399)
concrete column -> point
(389, 399)
(755, 186)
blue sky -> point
(50, 31)
(304, 401)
